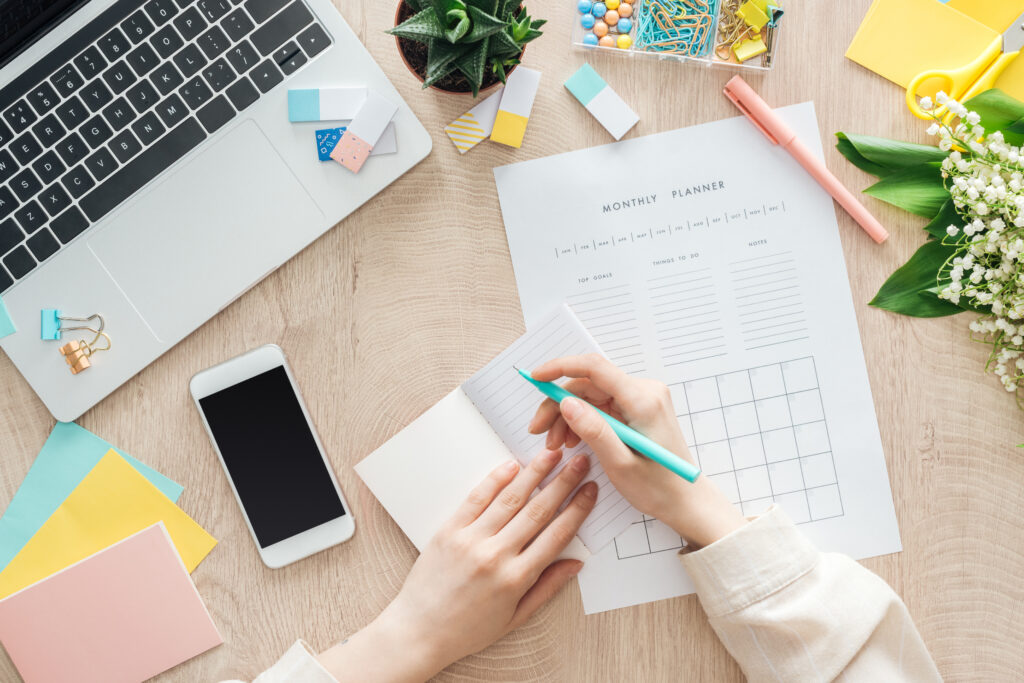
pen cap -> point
(758, 111)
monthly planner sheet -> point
(709, 259)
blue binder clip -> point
(52, 325)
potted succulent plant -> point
(462, 45)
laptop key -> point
(96, 94)
(43, 98)
(125, 145)
(189, 23)
(72, 112)
(237, 24)
(113, 45)
(90, 63)
(131, 177)
(266, 75)
(213, 42)
(43, 245)
(281, 28)
(167, 41)
(166, 78)
(160, 11)
(290, 58)
(10, 235)
(48, 167)
(142, 95)
(54, 199)
(48, 130)
(6, 281)
(71, 149)
(314, 40)
(242, 57)
(119, 113)
(261, 10)
(189, 61)
(195, 93)
(8, 166)
(215, 114)
(69, 225)
(219, 75)
(77, 181)
(8, 202)
(25, 184)
(143, 59)
(19, 262)
(171, 111)
(101, 163)
(67, 80)
(242, 93)
(96, 131)
(213, 10)
(20, 116)
(119, 77)
(30, 217)
(25, 149)
(5, 134)
(148, 128)
(137, 27)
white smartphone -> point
(275, 464)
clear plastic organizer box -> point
(702, 32)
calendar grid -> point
(761, 435)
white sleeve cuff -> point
(298, 665)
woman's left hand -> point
(490, 567)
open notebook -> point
(425, 471)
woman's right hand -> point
(698, 511)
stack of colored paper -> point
(94, 562)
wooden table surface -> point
(386, 313)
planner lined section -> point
(508, 402)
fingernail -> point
(511, 466)
(589, 489)
(552, 457)
(580, 463)
(571, 408)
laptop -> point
(149, 173)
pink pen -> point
(769, 123)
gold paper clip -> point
(76, 353)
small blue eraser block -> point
(49, 324)
(304, 105)
(7, 326)
(326, 140)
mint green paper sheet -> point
(67, 456)
(6, 324)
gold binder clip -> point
(76, 353)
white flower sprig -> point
(985, 178)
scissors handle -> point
(949, 87)
(956, 82)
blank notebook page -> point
(507, 402)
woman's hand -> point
(698, 511)
(490, 567)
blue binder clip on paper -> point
(52, 325)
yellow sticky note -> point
(900, 39)
(111, 503)
(509, 129)
(996, 14)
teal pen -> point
(632, 438)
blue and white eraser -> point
(7, 326)
(324, 104)
(49, 324)
(601, 101)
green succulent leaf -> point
(911, 290)
(917, 189)
(503, 45)
(414, 5)
(420, 27)
(484, 25)
(882, 157)
(441, 56)
(472, 64)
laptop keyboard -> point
(124, 98)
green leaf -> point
(420, 27)
(485, 6)
(472, 64)
(946, 217)
(999, 111)
(441, 56)
(483, 25)
(503, 45)
(414, 5)
(882, 157)
(911, 289)
(854, 156)
(917, 189)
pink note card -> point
(122, 615)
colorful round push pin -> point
(606, 41)
(611, 4)
(624, 42)
(588, 21)
(585, 6)
(600, 29)
(625, 11)
(624, 25)
(590, 40)
(611, 17)
(599, 9)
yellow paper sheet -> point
(900, 39)
(996, 14)
(111, 503)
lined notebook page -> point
(507, 401)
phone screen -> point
(273, 460)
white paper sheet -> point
(425, 471)
(713, 263)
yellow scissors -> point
(997, 66)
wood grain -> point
(387, 312)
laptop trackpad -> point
(207, 232)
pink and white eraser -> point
(364, 131)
